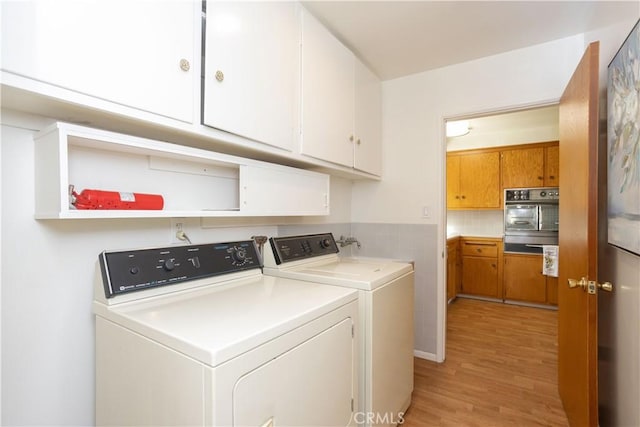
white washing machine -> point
(197, 336)
(386, 298)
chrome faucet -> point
(346, 241)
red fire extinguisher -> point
(99, 199)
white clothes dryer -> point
(386, 301)
(196, 335)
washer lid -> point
(357, 273)
(215, 324)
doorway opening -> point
(474, 190)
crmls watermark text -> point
(369, 418)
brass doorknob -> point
(590, 285)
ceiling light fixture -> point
(457, 128)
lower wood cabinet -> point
(453, 268)
(481, 273)
(524, 281)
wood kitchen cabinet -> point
(473, 180)
(252, 74)
(524, 281)
(136, 54)
(481, 267)
(531, 165)
(341, 102)
(453, 268)
(552, 166)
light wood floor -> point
(500, 370)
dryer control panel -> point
(293, 248)
(130, 271)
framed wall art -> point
(623, 145)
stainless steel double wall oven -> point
(530, 219)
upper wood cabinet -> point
(341, 102)
(532, 165)
(552, 166)
(136, 54)
(252, 73)
(473, 180)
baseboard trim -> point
(424, 355)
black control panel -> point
(293, 248)
(532, 194)
(130, 271)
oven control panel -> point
(293, 248)
(531, 194)
(130, 271)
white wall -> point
(47, 284)
(414, 110)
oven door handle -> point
(533, 246)
(521, 222)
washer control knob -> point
(134, 270)
(239, 255)
(325, 243)
(169, 265)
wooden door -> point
(480, 180)
(577, 316)
(453, 182)
(523, 167)
(523, 278)
(552, 166)
(480, 276)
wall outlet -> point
(177, 227)
(426, 212)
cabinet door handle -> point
(552, 177)
(540, 178)
(350, 138)
(358, 141)
(184, 65)
(219, 76)
(458, 197)
(464, 197)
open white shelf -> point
(193, 182)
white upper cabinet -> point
(135, 53)
(252, 72)
(367, 155)
(341, 102)
(327, 94)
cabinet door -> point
(453, 182)
(128, 52)
(523, 168)
(368, 121)
(480, 180)
(451, 270)
(252, 68)
(523, 278)
(552, 290)
(552, 166)
(480, 276)
(327, 95)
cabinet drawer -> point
(479, 248)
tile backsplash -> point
(475, 223)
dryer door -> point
(311, 384)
